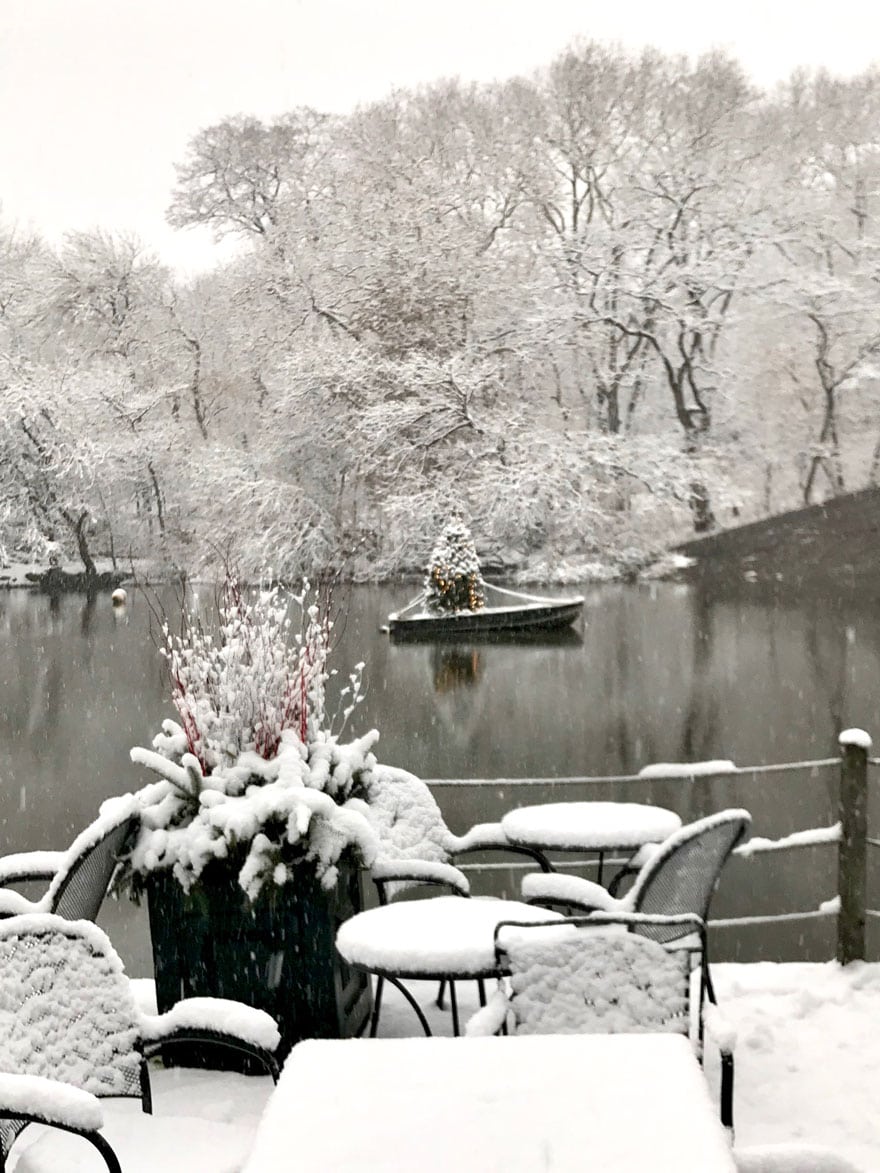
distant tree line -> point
(595, 309)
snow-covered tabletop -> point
(616, 1103)
(589, 826)
(443, 936)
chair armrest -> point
(219, 1022)
(187, 1036)
(12, 903)
(557, 888)
(26, 866)
(489, 1019)
(217, 1015)
(404, 872)
(49, 1101)
(491, 837)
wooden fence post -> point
(853, 849)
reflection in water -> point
(455, 667)
(700, 723)
(659, 673)
(46, 698)
(87, 614)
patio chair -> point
(73, 1035)
(416, 849)
(415, 844)
(679, 878)
(77, 878)
(606, 974)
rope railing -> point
(808, 838)
(849, 833)
(677, 771)
(490, 586)
(799, 839)
(830, 907)
(501, 783)
(754, 846)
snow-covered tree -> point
(454, 581)
(828, 244)
(239, 172)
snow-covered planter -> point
(268, 819)
(253, 836)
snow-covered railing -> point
(758, 845)
(849, 833)
(667, 771)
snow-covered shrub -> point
(239, 683)
(252, 772)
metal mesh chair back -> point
(81, 887)
(683, 875)
(406, 817)
(66, 1010)
(409, 825)
(593, 975)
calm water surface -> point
(660, 673)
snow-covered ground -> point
(807, 1060)
(807, 1054)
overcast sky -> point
(99, 98)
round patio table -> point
(589, 828)
(443, 938)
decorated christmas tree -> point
(454, 581)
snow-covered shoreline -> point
(14, 576)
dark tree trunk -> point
(701, 508)
(82, 545)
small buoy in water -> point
(119, 597)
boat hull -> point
(526, 617)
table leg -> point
(416, 1007)
(453, 1005)
(377, 1006)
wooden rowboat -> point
(514, 612)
